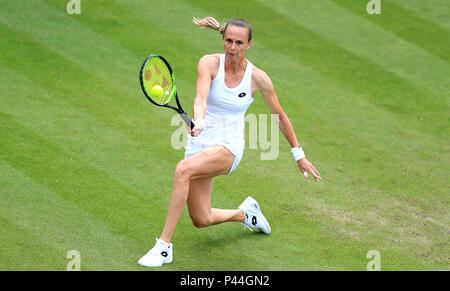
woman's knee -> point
(183, 170)
(201, 221)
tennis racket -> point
(158, 84)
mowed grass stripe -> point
(400, 133)
(78, 113)
(256, 167)
(198, 33)
(404, 101)
(89, 142)
(351, 71)
(146, 27)
(85, 49)
(358, 35)
(332, 147)
(334, 245)
(54, 226)
(75, 181)
(54, 133)
(406, 25)
(153, 187)
(354, 158)
(58, 32)
(21, 249)
(101, 207)
(435, 11)
(337, 140)
(38, 92)
(86, 85)
(390, 182)
(192, 238)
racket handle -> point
(187, 120)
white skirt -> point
(236, 148)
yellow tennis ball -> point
(156, 91)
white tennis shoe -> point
(161, 253)
(253, 215)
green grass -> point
(86, 162)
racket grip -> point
(187, 120)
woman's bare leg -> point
(199, 205)
(199, 166)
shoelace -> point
(246, 226)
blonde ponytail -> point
(209, 22)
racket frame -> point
(179, 110)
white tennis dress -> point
(224, 117)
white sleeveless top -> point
(225, 110)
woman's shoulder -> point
(259, 76)
(210, 63)
(211, 59)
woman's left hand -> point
(305, 166)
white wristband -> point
(298, 153)
(199, 123)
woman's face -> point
(235, 42)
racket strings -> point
(156, 72)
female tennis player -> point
(226, 84)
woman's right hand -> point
(199, 125)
